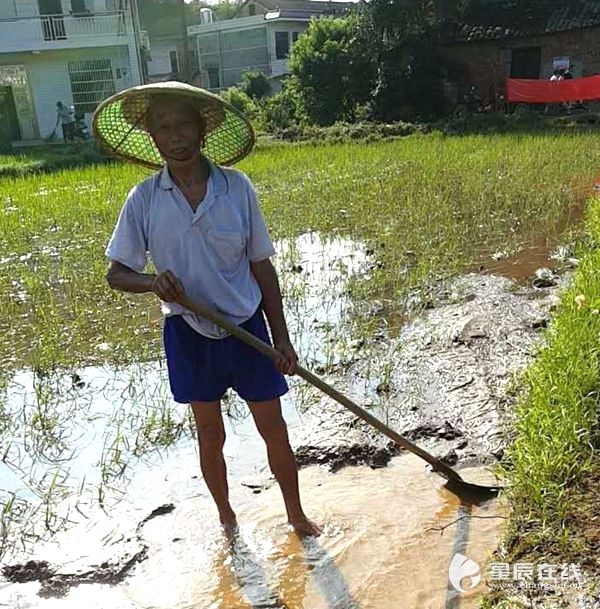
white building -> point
(258, 38)
(75, 51)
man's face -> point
(176, 129)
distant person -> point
(566, 75)
(64, 115)
(556, 76)
(472, 100)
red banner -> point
(521, 91)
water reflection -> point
(243, 579)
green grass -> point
(552, 465)
(449, 200)
(50, 158)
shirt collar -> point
(218, 182)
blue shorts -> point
(201, 369)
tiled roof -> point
(494, 19)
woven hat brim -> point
(119, 124)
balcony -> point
(51, 32)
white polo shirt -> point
(209, 250)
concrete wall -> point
(159, 52)
(8, 9)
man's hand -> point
(288, 361)
(168, 287)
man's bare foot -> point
(229, 524)
(305, 527)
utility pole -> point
(185, 60)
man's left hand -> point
(288, 361)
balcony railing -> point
(60, 27)
(32, 33)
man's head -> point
(59, 104)
(177, 127)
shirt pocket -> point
(227, 249)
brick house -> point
(497, 39)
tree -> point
(332, 70)
(412, 68)
(402, 22)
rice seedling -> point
(442, 201)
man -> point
(66, 118)
(202, 227)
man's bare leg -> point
(211, 437)
(273, 429)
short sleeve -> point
(259, 245)
(129, 243)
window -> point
(174, 62)
(282, 45)
(295, 36)
(91, 83)
(252, 10)
(78, 7)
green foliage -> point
(332, 70)
(405, 35)
(346, 132)
(238, 99)
(280, 111)
(406, 22)
(256, 84)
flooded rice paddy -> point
(104, 505)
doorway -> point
(526, 63)
(17, 118)
(9, 121)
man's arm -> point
(266, 277)
(166, 285)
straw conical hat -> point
(119, 124)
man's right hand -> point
(168, 287)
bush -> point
(332, 70)
(280, 111)
(242, 102)
(256, 85)
(343, 132)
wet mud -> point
(446, 378)
(56, 583)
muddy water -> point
(126, 524)
(390, 535)
(543, 250)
